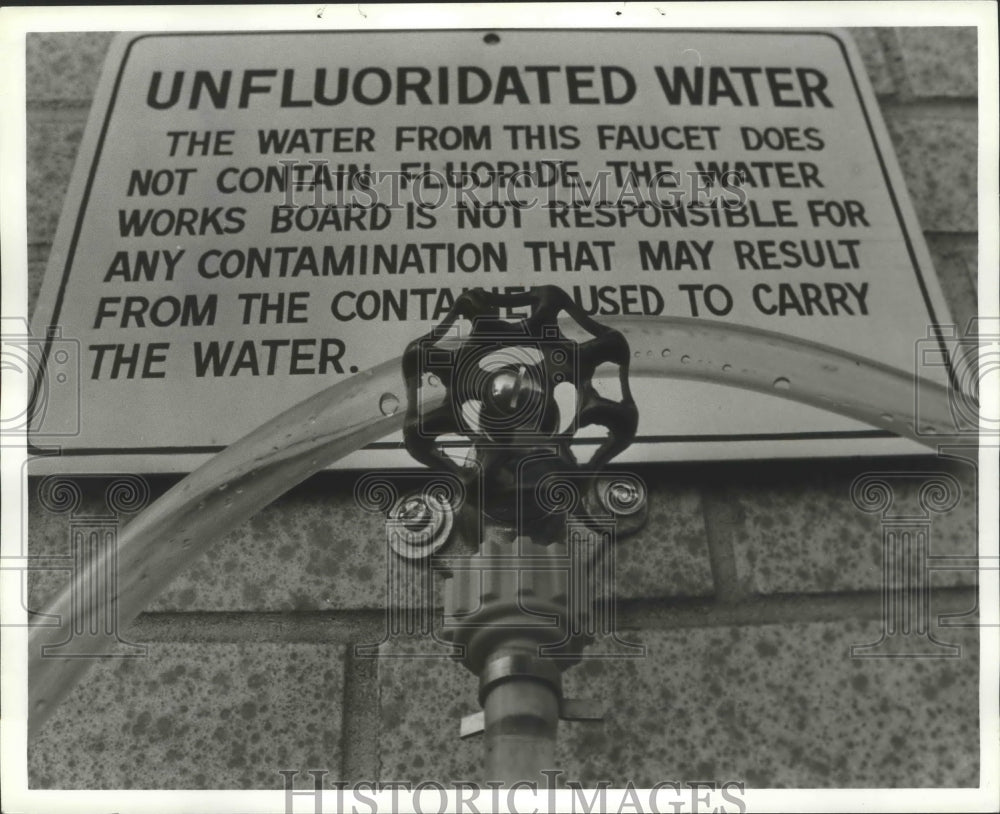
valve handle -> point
(500, 379)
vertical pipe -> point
(521, 717)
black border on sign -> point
(659, 439)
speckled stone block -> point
(53, 141)
(311, 549)
(422, 703)
(938, 157)
(51, 516)
(801, 531)
(955, 259)
(778, 706)
(65, 67)
(316, 549)
(962, 250)
(939, 61)
(195, 716)
(36, 273)
(668, 557)
(873, 56)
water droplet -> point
(685, 359)
(224, 487)
(928, 429)
(726, 368)
(433, 380)
(888, 417)
(388, 403)
(665, 353)
(781, 383)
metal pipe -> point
(521, 717)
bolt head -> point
(623, 497)
(421, 525)
(415, 514)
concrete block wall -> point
(748, 586)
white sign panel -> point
(255, 216)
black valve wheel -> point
(501, 378)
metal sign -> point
(255, 216)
